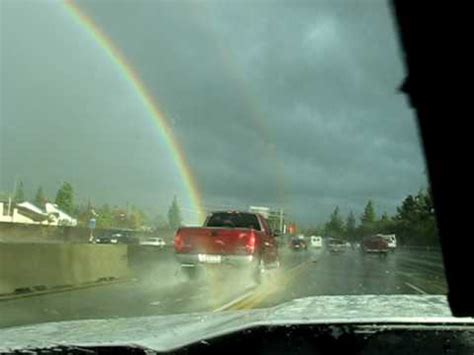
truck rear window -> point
(234, 220)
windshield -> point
(234, 220)
(125, 121)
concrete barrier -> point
(430, 248)
(28, 267)
(34, 233)
(143, 259)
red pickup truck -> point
(240, 239)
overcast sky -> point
(278, 103)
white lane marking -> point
(234, 301)
(416, 288)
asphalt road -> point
(159, 288)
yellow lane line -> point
(282, 284)
(257, 298)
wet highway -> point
(157, 287)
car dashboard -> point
(313, 339)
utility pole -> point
(9, 205)
(10, 198)
(281, 220)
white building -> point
(28, 213)
(58, 216)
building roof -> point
(31, 211)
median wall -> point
(35, 233)
(30, 266)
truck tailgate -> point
(215, 240)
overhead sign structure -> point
(264, 211)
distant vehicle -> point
(234, 238)
(116, 238)
(337, 245)
(298, 244)
(391, 239)
(316, 241)
(375, 244)
(154, 242)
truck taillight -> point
(178, 242)
(251, 243)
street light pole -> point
(281, 220)
(10, 199)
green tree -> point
(335, 226)
(368, 220)
(65, 198)
(368, 217)
(406, 219)
(408, 210)
(174, 215)
(311, 231)
(19, 195)
(137, 218)
(120, 217)
(160, 222)
(415, 220)
(40, 198)
(350, 227)
(385, 224)
(105, 217)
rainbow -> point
(135, 81)
(257, 115)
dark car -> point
(376, 244)
(337, 245)
(116, 238)
(298, 244)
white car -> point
(154, 242)
(391, 239)
(316, 241)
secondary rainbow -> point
(133, 77)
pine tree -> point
(174, 215)
(19, 192)
(335, 226)
(65, 198)
(40, 198)
(350, 226)
(368, 220)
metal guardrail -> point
(420, 247)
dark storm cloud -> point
(283, 103)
